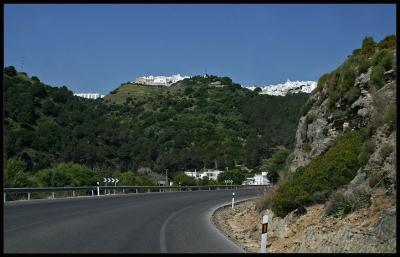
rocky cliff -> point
(357, 216)
(368, 102)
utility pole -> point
(166, 177)
(22, 63)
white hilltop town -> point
(277, 89)
(89, 95)
(287, 87)
(159, 80)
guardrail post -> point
(264, 236)
(148, 190)
(29, 195)
(4, 197)
(137, 191)
(52, 195)
(73, 193)
(123, 190)
(92, 193)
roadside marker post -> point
(264, 236)
(98, 189)
(105, 181)
(109, 190)
(233, 200)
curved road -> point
(176, 222)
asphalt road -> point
(172, 222)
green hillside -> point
(190, 125)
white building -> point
(211, 174)
(89, 95)
(258, 179)
(287, 87)
(159, 80)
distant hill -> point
(197, 122)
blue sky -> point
(94, 47)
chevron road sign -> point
(104, 180)
(116, 180)
(112, 180)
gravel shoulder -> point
(240, 224)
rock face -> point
(368, 230)
(370, 225)
(318, 129)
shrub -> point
(366, 150)
(276, 163)
(14, 173)
(325, 173)
(377, 76)
(184, 180)
(363, 66)
(352, 94)
(384, 58)
(368, 45)
(10, 71)
(66, 174)
(322, 80)
(390, 116)
(342, 201)
(385, 151)
(388, 42)
(236, 175)
(265, 202)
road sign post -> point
(109, 190)
(116, 181)
(113, 181)
(105, 184)
(264, 236)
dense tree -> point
(184, 180)
(236, 175)
(276, 163)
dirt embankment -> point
(367, 230)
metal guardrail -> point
(106, 190)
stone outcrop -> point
(318, 129)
